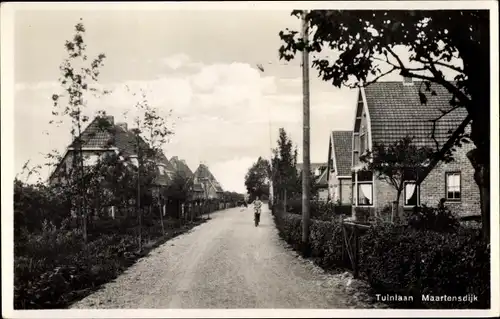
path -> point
(224, 263)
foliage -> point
(257, 178)
(233, 197)
(35, 203)
(439, 219)
(397, 163)
(402, 260)
(52, 270)
(410, 262)
(325, 239)
(179, 187)
(284, 168)
(78, 76)
(370, 44)
(318, 210)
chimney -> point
(407, 80)
(183, 162)
(123, 125)
(174, 158)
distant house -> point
(387, 112)
(319, 171)
(98, 140)
(205, 185)
(339, 167)
(180, 167)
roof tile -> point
(342, 145)
(396, 111)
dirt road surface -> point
(224, 263)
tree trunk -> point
(396, 211)
(161, 217)
(482, 179)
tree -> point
(179, 188)
(284, 168)
(257, 179)
(151, 132)
(372, 43)
(396, 164)
(78, 76)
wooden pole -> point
(306, 143)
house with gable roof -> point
(389, 111)
(205, 185)
(319, 171)
(98, 140)
(338, 172)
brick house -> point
(205, 186)
(387, 112)
(339, 167)
(319, 172)
(99, 140)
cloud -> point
(225, 115)
(176, 61)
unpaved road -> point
(224, 263)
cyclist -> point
(257, 205)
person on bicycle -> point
(257, 205)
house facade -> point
(319, 171)
(205, 185)
(339, 167)
(389, 111)
(98, 140)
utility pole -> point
(306, 134)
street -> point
(224, 263)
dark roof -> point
(202, 172)
(396, 111)
(103, 133)
(342, 146)
(181, 167)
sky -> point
(203, 67)
(200, 64)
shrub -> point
(399, 259)
(404, 260)
(325, 239)
(319, 210)
(430, 218)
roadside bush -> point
(404, 260)
(325, 239)
(53, 268)
(319, 210)
(430, 218)
(415, 262)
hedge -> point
(405, 261)
(52, 268)
(318, 209)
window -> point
(411, 194)
(362, 139)
(453, 186)
(364, 188)
(356, 142)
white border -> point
(7, 88)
